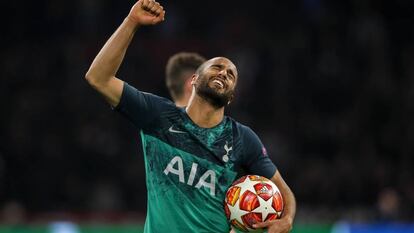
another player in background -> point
(178, 72)
(192, 155)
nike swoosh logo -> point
(172, 130)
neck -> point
(183, 101)
(180, 103)
(202, 113)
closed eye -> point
(229, 71)
(231, 74)
(216, 67)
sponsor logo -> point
(207, 179)
(172, 130)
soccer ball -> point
(252, 199)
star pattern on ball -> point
(247, 184)
(265, 208)
(236, 212)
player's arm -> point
(260, 164)
(283, 224)
(101, 73)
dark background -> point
(327, 85)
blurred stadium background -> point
(328, 85)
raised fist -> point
(147, 12)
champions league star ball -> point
(252, 199)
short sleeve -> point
(256, 159)
(141, 108)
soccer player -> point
(192, 155)
(179, 70)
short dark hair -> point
(177, 66)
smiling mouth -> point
(219, 83)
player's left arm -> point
(260, 164)
(285, 223)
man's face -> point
(216, 81)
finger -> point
(158, 12)
(158, 18)
(140, 2)
(150, 5)
(162, 15)
(262, 224)
(155, 7)
(145, 4)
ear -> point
(194, 78)
(231, 99)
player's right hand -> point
(146, 12)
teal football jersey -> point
(189, 168)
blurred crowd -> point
(327, 85)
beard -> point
(212, 95)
